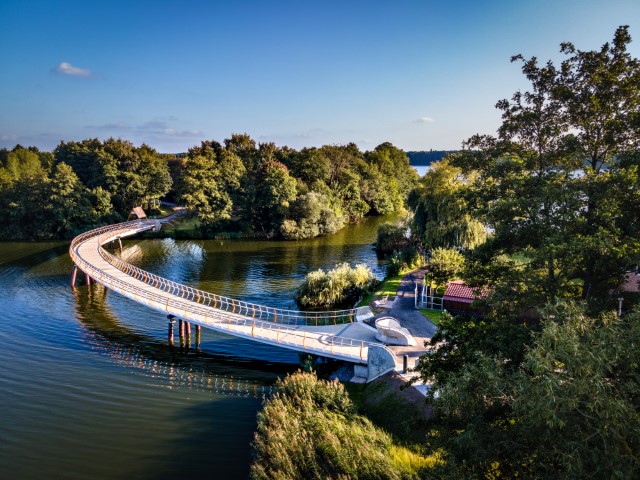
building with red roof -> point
(458, 297)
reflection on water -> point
(90, 387)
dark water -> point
(90, 388)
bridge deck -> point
(166, 296)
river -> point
(89, 386)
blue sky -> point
(420, 74)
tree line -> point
(257, 189)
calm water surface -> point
(90, 388)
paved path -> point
(403, 309)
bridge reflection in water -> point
(318, 333)
(188, 367)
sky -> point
(419, 74)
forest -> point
(256, 190)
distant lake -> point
(421, 169)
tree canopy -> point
(258, 189)
(545, 383)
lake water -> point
(89, 386)
(422, 169)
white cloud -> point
(424, 120)
(67, 69)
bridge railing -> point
(230, 305)
(349, 349)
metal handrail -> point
(177, 305)
(228, 304)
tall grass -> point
(309, 430)
(340, 287)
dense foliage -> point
(568, 410)
(258, 190)
(546, 383)
(48, 196)
(441, 213)
(309, 429)
(280, 192)
(342, 286)
(445, 265)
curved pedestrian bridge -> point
(316, 333)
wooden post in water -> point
(73, 275)
(197, 336)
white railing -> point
(241, 318)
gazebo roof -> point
(138, 212)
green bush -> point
(309, 430)
(409, 258)
(391, 237)
(340, 287)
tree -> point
(441, 215)
(209, 177)
(444, 265)
(555, 185)
(276, 189)
(568, 410)
(22, 163)
(310, 215)
(68, 204)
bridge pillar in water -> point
(197, 336)
(187, 334)
(88, 278)
(120, 243)
(73, 275)
(170, 328)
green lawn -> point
(432, 315)
(185, 222)
(389, 286)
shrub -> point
(309, 429)
(409, 258)
(391, 237)
(445, 265)
(339, 287)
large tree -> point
(441, 214)
(210, 176)
(554, 185)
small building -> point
(458, 298)
(631, 283)
(137, 213)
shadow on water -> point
(216, 447)
(29, 254)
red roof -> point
(138, 212)
(458, 291)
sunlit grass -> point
(432, 315)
